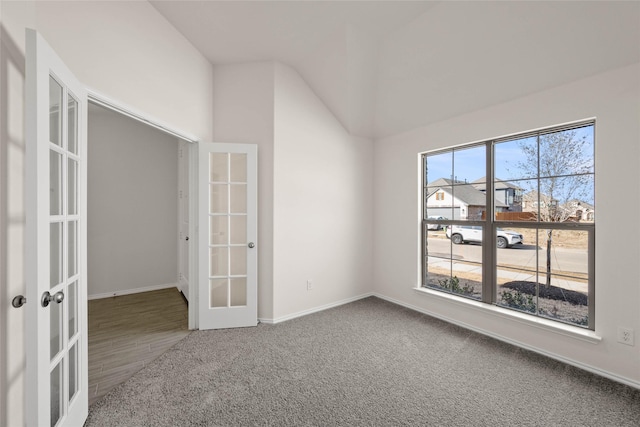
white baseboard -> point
(313, 310)
(132, 291)
(577, 364)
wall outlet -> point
(625, 336)
(309, 284)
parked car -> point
(432, 226)
(473, 233)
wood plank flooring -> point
(127, 332)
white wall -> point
(243, 113)
(322, 203)
(314, 194)
(132, 206)
(124, 50)
(614, 99)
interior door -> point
(183, 218)
(227, 245)
(56, 153)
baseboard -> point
(577, 364)
(132, 291)
(313, 310)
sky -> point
(469, 163)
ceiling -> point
(385, 67)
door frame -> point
(97, 98)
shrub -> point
(519, 301)
(452, 284)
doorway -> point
(134, 235)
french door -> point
(227, 246)
(56, 341)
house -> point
(341, 99)
(458, 200)
(506, 192)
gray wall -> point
(132, 204)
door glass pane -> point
(55, 254)
(72, 187)
(55, 183)
(238, 229)
(238, 167)
(73, 371)
(72, 254)
(56, 393)
(218, 167)
(218, 263)
(218, 230)
(218, 291)
(239, 291)
(72, 114)
(55, 112)
(238, 198)
(72, 301)
(219, 199)
(55, 328)
(238, 260)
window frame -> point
(490, 224)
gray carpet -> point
(368, 363)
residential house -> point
(341, 99)
(458, 200)
(506, 192)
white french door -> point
(184, 201)
(56, 153)
(227, 245)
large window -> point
(510, 222)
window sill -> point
(512, 315)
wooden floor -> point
(127, 332)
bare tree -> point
(563, 162)
(565, 167)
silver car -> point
(432, 226)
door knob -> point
(251, 245)
(47, 298)
(19, 301)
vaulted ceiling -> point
(385, 67)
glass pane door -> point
(228, 254)
(63, 237)
(56, 348)
(228, 229)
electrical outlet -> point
(625, 336)
(309, 284)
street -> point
(516, 263)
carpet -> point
(367, 363)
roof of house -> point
(498, 184)
(466, 193)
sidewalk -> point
(512, 275)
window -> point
(533, 253)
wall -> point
(315, 194)
(124, 50)
(243, 113)
(614, 99)
(322, 203)
(133, 206)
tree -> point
(563, 162)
